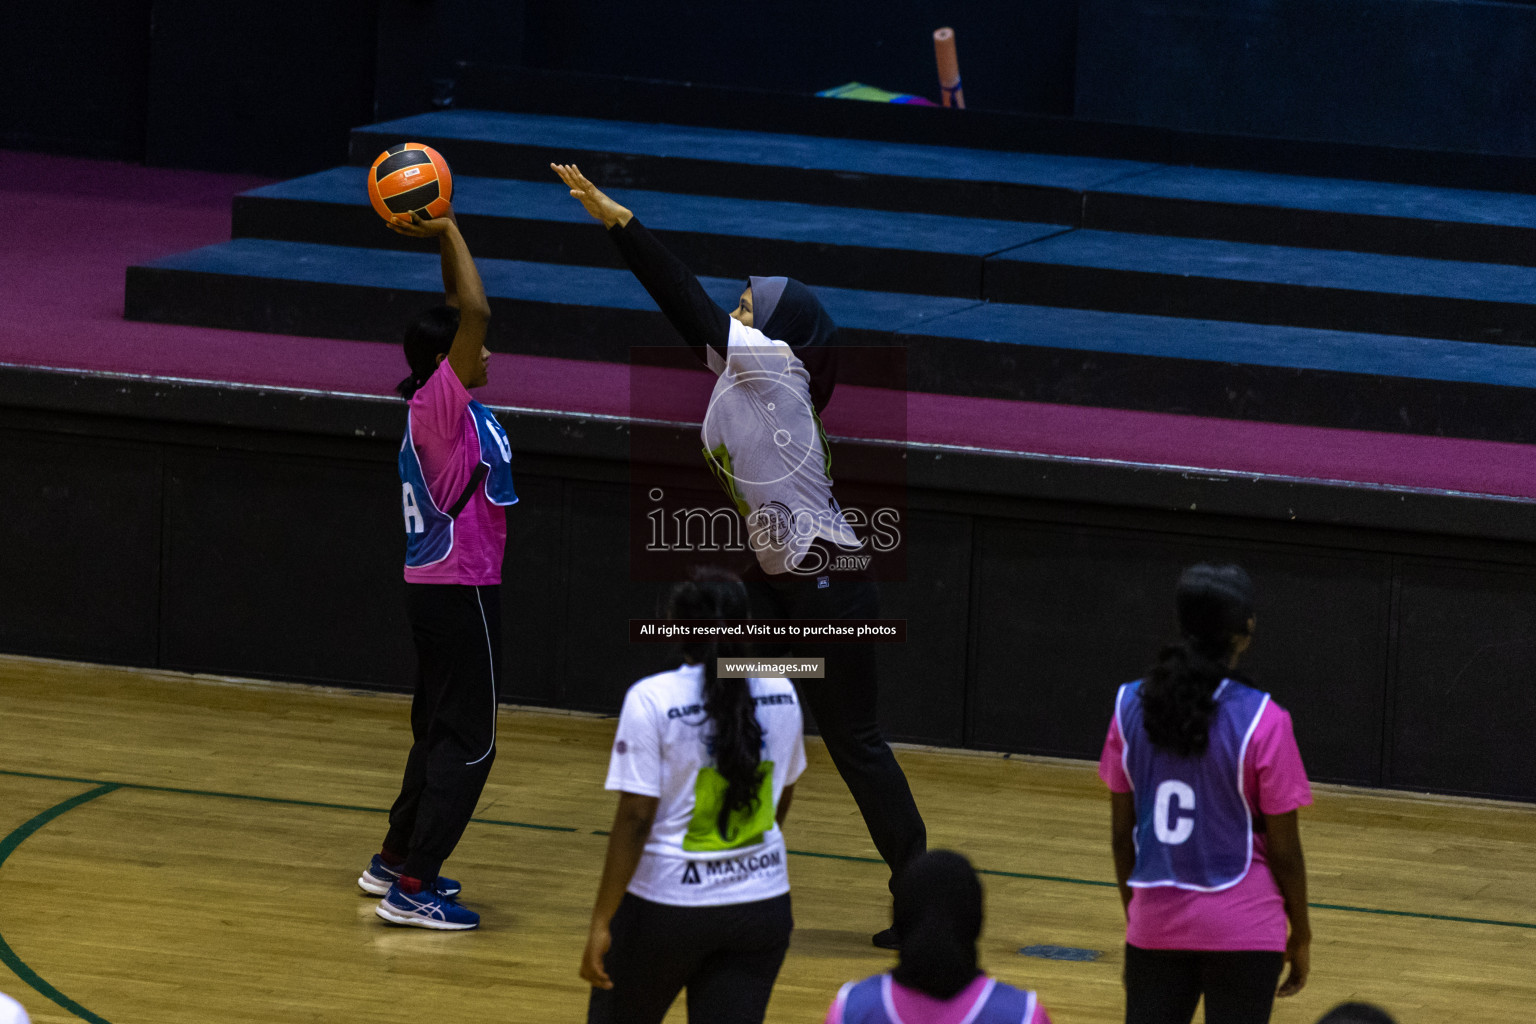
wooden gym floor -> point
(178, 849)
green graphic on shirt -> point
(826, 447)
(744, 827)
(719, 459)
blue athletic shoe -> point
(425, 910)
(378, 876)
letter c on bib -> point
(1173, 812)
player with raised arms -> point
(456, 481)
(775, 359)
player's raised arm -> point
(462, 289)
(676, 290)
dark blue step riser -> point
(1258, 302)
(1311, 229)
(1110, 211)
(923, 273)
(584, 244)
(935, 363)
(892, 191)
(1226, 390)
(363, 313)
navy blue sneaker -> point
(425, 910)
(378, 876)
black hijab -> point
(938, 916)
(785, 310)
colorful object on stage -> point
(949, 67)
(410, 178)
(860, 91)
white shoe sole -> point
(411, 920)
(372, 884)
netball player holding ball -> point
(775, 360)
(695, 891)
(1205, 780)
(456, 479)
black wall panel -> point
(81, 573)
(1013, 55)
(286, 566)
(534, 586)
(419, 44)
(270, 88)
(1416, 73)
(601, 597)
(1465, 703)
(77, 78)
(923, 681)
(1064, 616)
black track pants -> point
(845, 705)
(453, 720)
(1162, 986)
(727, 957)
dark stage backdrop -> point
(273, 88)
(274, 551)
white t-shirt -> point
(11, 1012)
(767, 447)
(662, 749)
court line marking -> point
(267, 799)
(8, 846)
(995, 872)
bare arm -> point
(782, 811)
(1122, 840)
(462, 288)
(1289, 867)
(626, 842)
(450, 271)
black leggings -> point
(453, 721)
(1163, 986)
(844, 706)
(727, 957)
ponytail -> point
(737, 735)
(409, 386)
(1215, 604)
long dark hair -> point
(713, 593)
(1215, 604)
(429, 336)
(938, 916)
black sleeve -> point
(674, 288)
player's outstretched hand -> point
(414, 227)
(592, 198)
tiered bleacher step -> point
(919, 253)
(759, 165)
(1366, 326)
